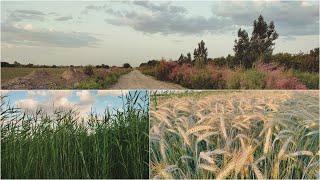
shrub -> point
(88, 70)
(163, 70)
(234, 81)
(201, 79)
(289, 83)
(311, 80)
(126, 65)
(252, 79)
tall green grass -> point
(62, 145)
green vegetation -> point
(252, 67)
(235, 135)
(62, 145)
(102, 82)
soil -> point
(136, 80)
(41, 79)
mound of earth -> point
(72, 75)
(41, 79)
(38, 79)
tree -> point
(242, 50)
(201, 54)
(126, 65)
(262, 39)
(181, 59)
(16, 64)
(189, 59)
(259, 47)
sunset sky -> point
(113, 33)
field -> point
(234, 134)
(13, 72)
(62, 145)
(60, 78)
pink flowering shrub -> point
(263, 76)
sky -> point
(116, 32)
(83, 101)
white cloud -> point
(85, 96)
(27, 104)
(20, 34)
(34, 93)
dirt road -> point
(136, 80)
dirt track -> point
(136, 80)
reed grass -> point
(62, 145)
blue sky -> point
(82, 100)
(115, 32)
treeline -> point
(251, 51)
(253, 65)
(29, 65)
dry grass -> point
(243, 134)
(11, 73)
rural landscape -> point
(253, 66)
(234, 134)
(61, 145)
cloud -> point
(291, 18)
(21, 15)
(112, 92)
(28, 104)
(64, 18)
(35, 93)
(165, 18)
(85, 97)
(56, 100)
(26, 35)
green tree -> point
(189, 59)
(127, 65)
(259, 47)
(201, 54)
(262, 39)
(242, 50)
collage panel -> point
(79, 134)
(234, 134)
(141, 44)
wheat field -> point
(239, 134)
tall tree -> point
(201, 53)
(242, 49)
(262, 39)
(259, 47)
(189, 59)
(181, 59)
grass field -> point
(12, 72)
(113, 145)
(248, 134)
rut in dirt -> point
(136, 80)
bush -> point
(201, 79)
(234, 81)
(252, 79)
(249, 79)
(88, 70)
(163, 70)
(311, 80)
(126, 65)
